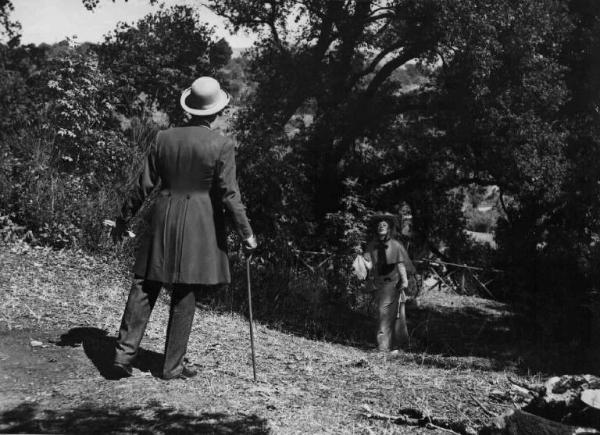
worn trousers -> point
(141, 300)
(392, 332)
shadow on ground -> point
(494, 337)
(448, 331)
(439, 327)
(477, 333)
(100, 349)
(28, 418)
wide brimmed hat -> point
(205, 97)
(392, 220)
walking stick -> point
(248, 258)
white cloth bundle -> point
(359, 266)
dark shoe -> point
(186, 373)
(119, 370)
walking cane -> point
(248, 258)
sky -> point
(51, 21)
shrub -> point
(65, 172)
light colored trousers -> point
(392, 332)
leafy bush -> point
(70, 152)
(10, 231)
(62, 175)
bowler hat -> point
(205, 97)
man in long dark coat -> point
(186, 246)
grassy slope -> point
(304, 386)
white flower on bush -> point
(65, 132)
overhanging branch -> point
(373, 65)
(385, 71)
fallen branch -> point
(533, 389)
(487, 411)
(414, 417)
(399, 419)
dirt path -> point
(58, 385)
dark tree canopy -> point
(507, 95)
(220, 53)
(492, 88)
(9, 30)
(157, 57)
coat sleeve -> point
(142, 185)
(230, 192)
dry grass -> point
(304, 386)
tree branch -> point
(420, 167)
(503, 205)
(274, 32)
(310, 8)
(309, 72)
(382, 8)
(373, 18)
(382, 54)
(384, 72)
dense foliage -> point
(506, 96)
(153, 60)
(343, 109)
(76, 118)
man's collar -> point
(199, 123)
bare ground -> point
(59, 314)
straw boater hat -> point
(205, 97)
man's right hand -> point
(118, 229)
(250, 243)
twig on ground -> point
(33, 313)
(487, 411)
(398, 419)
(435, 426)
(533, 389)
(415, 417)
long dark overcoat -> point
(187, 242)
